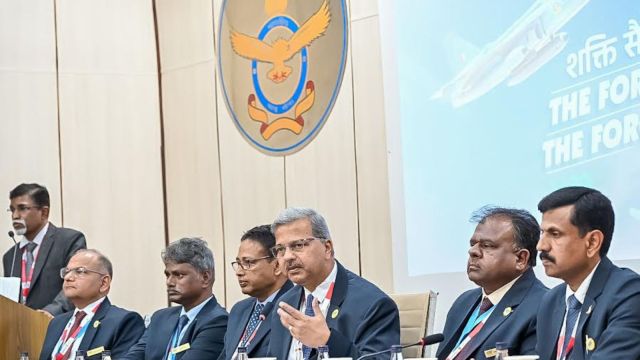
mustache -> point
(544, 255)
(292, 264)
(20, 221)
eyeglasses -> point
(79, 272)
(248, 264)
(295, 246)
(22, 208)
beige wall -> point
(146, 150)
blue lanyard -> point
(175, 339)
(473, 321)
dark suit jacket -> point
(58, 246)
(362, 319)
(238, 319)
(118, 330)
(205, 334)
(517, 326)
(610, 317)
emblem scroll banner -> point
(281, 64)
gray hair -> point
(319, 227)
(192, 251)
(103, 261)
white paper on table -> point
(10, 287)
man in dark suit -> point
(260, 276)
(195, 330)
(329, 304)
(595, 314)
(502, 255)
(42, 252)
(95, 325)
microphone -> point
(15, 250)
(427, 340)
(265, 311)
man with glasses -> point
(195, 330)
(329, 305)
(43, 248)
(502, 254)
(261, 277)
(95, 325)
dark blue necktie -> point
(573, 310)
(182, 322)
(306, 351)
(254, 320)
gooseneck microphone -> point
(427, 340)
(15, 250)
(266, 310)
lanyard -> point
(473, 327)
(67, 340)
(560, 352)
(25, 277)
(175, 339)
(296, 345)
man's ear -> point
(522, 259)
(593, 241)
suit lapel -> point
(50, 343)
(87, 340)
(503, 309)
(239, 330)
(596, 286)
(294, 299)
(557, 317)
(338, 296)
(264, 327)
(43, 253)
(461, 320)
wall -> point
(116, 107)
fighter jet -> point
(519, 52)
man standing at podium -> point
(502, 254)
(42, 252)
(95, 325)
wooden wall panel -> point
(371, 152)
(323, 176)
(194, 201)
(110, 134)
(28, 105)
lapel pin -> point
(591, 343)
(508, 310)
(96, 324)
(589, 309)
(335, 313)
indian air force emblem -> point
(281, 65)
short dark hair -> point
(104, 262)
(526, 230)
(262, 235)
(591, 211)
(36, 192)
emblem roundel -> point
(281, 63)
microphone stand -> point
(15, 252)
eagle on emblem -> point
(281, 50)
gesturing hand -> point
(309, 330)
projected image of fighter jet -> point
(524, 48)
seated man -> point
(261, 277)
(329, 305)
(595, 314)
(502, 255)
(51, 246)
(195, 330)
(95, 325)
